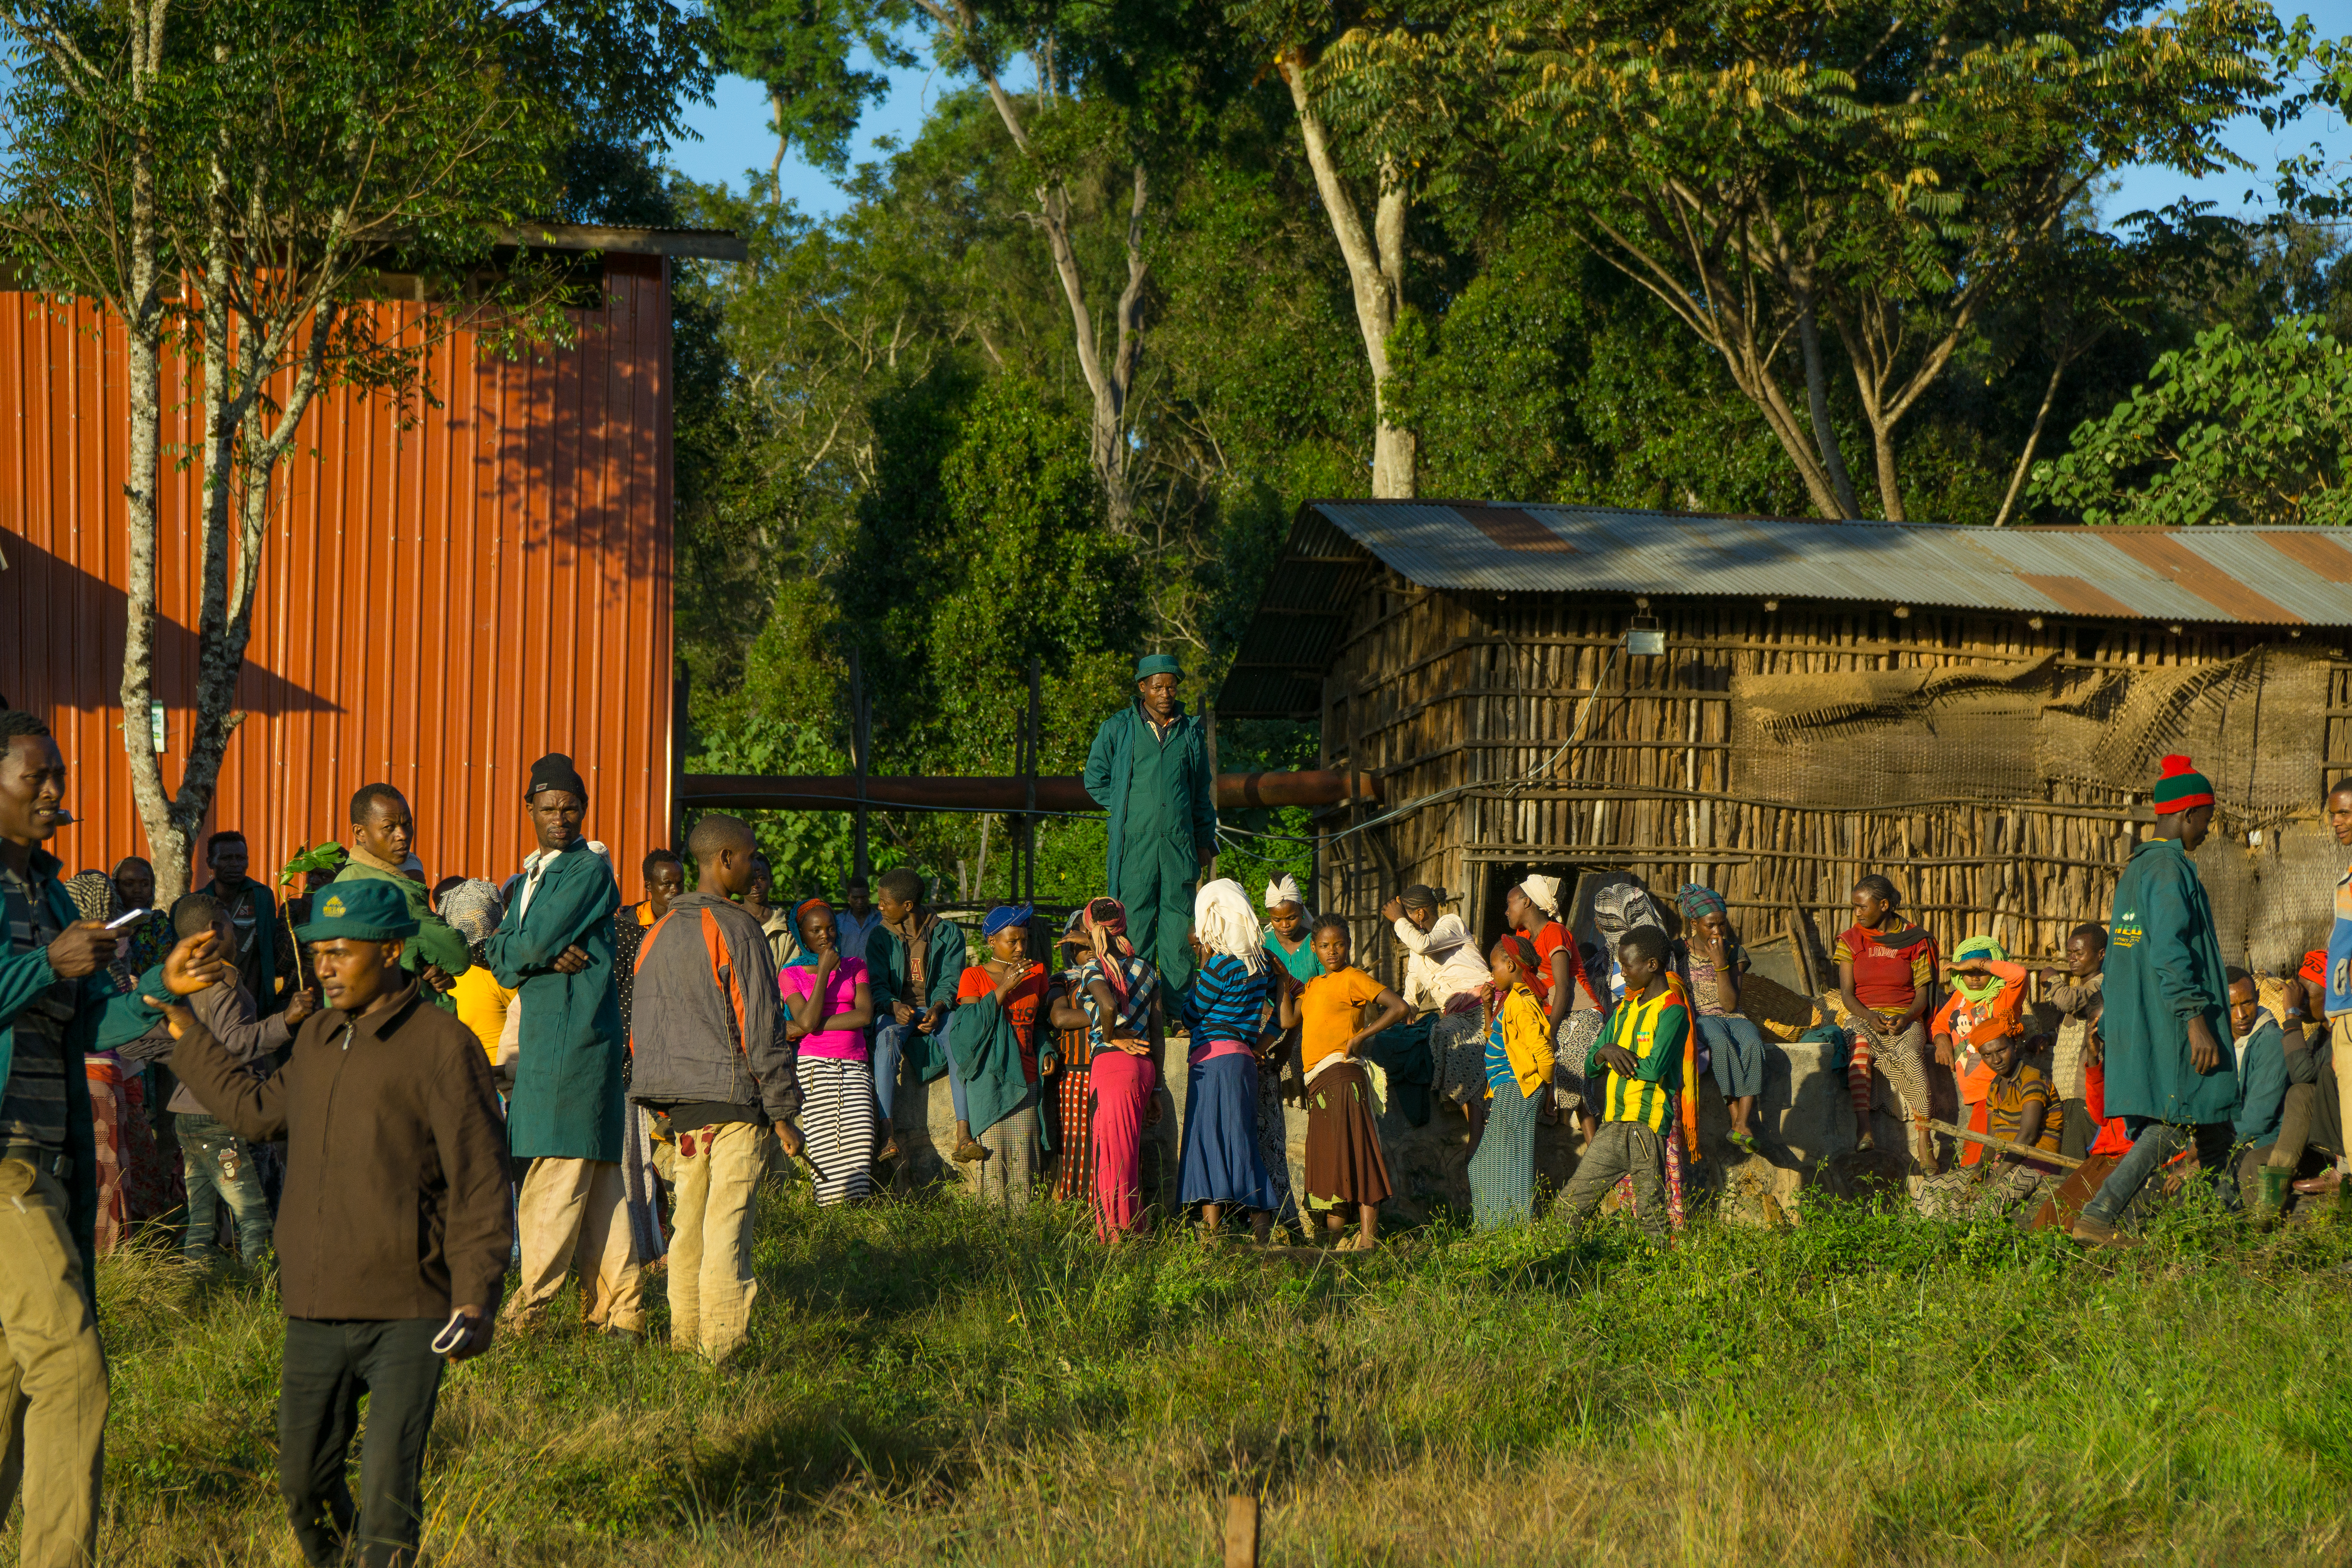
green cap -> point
(1152, 664)
(364, 911)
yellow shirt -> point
(482, 1005)
(1327, 1012)
(1527, 1042)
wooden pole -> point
(860, 735)
(2004, 1145)
(1241, 1532)
(1035, 728)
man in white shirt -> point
(1444, 974)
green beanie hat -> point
(2181, 787)
(369, 910)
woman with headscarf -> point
(1517, 1070)
(1225, 1016)
(473, 909)
(1003, 993)
(1736, 1046)
(1572, 1011)
(1287, 937)
(1987, 1004)
(1445, 976)
(1119, 994)
(828, 1004)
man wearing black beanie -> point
(566, 1115)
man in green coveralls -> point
(384, 832)
(1148, 767)
(2169, 1072)
(555, 947)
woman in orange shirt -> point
(1344, 1169)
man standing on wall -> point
(384, 842)
(566, 1116)
(265, 951)
(1148, 767)
(2170, 1075)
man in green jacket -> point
(2170, 1074)
(566, 1115)
(383, 833)
(53, 985)
(1148, 767)
(914, 960)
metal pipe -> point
(1055, 792)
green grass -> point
(928, 1384)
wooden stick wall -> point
(1466, 705)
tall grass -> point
(928, 1382)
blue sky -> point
(734, 131)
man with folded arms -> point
(393, 1231)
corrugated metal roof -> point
(2266, 576)
(2283, 577)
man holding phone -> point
(393, 1235)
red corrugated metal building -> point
(439, 606)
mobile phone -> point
(127, 918)
(453, 1334)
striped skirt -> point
(1274, 1137)
(1074, 1177)
(837, 1122)
(642, 1186)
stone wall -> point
(1805, 1116)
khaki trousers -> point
(52, 1375)
(574, 1218)
(711, 1283)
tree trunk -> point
(167, 845)
(1817, 392)
(2033, 437)
(1376, 271)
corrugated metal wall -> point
(439, 606)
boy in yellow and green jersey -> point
(1637, 1062)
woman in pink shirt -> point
(828, 1007)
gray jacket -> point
(703, 1024)
(226, 1012)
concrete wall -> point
(1805, 1112)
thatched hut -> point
(1776, 707)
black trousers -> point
(327, 1366)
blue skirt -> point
(1222, 1163)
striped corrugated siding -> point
(439, 606)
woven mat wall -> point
(1857, 740)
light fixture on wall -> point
(1646, 636)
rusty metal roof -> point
(2266, 576)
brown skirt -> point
(1343, 1146)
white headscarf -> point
(1544, 893)
(1223, 920)
(1283, 889)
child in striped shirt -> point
(1637, 1063)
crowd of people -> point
(397, 1094)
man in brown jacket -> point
(393, 1236)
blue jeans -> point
(1738, 1048)
(891, 1043)
(2154, 1145)
(220, 1168)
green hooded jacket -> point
(2164, 968)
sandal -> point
(1357, 1242)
